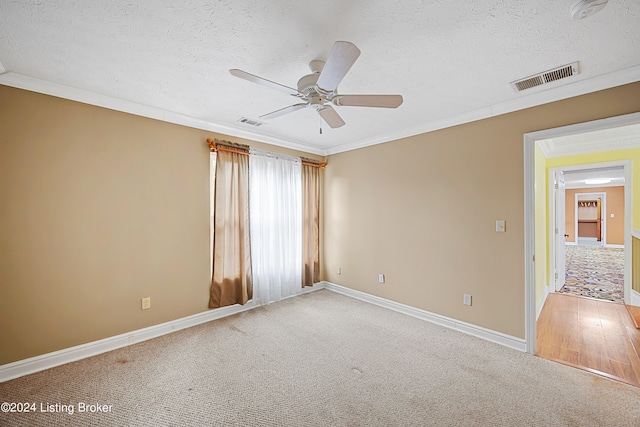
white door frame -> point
(553, 226)
(627, 166)
(529, 211)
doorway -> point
(589, 214)
(532, 145)
(590, 219)
(586, 336)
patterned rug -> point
(595, 272)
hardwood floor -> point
(598, 336)
(634, 312)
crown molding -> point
(553, 147)
(628, 75)
(581, 87)
(33, 84)
(546, 146)
(594, 146)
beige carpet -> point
(321, 359)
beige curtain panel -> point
(310, 224)
(232, 280)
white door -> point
(560, 230)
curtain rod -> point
(315, 165)
(215, 147)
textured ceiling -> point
(451, 61)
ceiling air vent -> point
(545, 77)
(251, 122)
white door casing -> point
(559, 234)
(530, 142)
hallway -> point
(595, 272)
(597, 336)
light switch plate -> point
(501, 226)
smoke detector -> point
(585, 8)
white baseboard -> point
(547, 290)
(635, 298)
(468, 328)
(607, 245)
(71, 354)
(31, 365)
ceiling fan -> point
(318, 90)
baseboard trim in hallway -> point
(634, 312)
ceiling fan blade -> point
(341, 58)
(283, 111)
(380, 101)
(331, 117)
(264, 82)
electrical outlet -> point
(146, 303)
(339, 270)
(467, 299)
(380, 278)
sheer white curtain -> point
(275, 200)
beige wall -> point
(422, 211)
(614, 205)
(99, 209)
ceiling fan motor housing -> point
(307, 84)
(316, 66)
